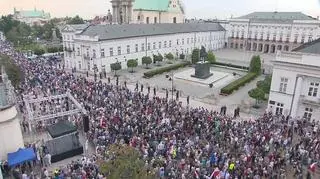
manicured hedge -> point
(235, 85)
(157, 71)
(231, 65)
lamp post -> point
(171, 79)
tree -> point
(157, 58)
(75, 20)
(182, 56)
(203, 53)
(195, 56)
(169, 56)
(124, 162)
(115, 67)
(60, 48)
(265, 85)
(211, 58)
(146, 60)
(38, 51)
(13, 71)
(132, 63)
(257, 94)
(160, 58)
(52, 49)
(255, 64)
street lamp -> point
(171, 79)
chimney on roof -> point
(317, 17)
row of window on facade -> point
(188, 40)
(111, 51)
(155, 46)
(280, 106)
(312, 91)
(273, 27)
(274, 37)
(68, 37)
(155, 19)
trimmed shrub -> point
(235, 85)
(154, 72)
(231, 65)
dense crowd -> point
(175, 141)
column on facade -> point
(115, 10)
(124, 14)
(129, 13)
(296, 97)
(269, 50)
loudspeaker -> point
(86, 126)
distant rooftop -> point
(74, 27)
(156, 5)
(276, 16)
(310, 47)
(107, 32)
(33, 13)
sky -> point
(221, 9)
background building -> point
(270, 31)
(31, 17)
(10, 132)
(102, 45)
(158, 11)
(147, 11)
(296, 81)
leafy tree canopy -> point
(211, 58)
(169, 56)
(132, 63)
(13, 71)
(265, 85)
(146, 60)
(195, 56)
(125, 162)
(255, 64)
(75, 20)
(257, 94)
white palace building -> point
(296, 82)
(101, 45)
(268, 32)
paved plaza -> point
(218, 79)
(241, 57)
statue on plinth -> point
(202, 70)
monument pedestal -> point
(202, 70)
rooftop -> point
(107, 32)
(156, 5)
(310, 47)
(33, 13)
(74, 27)
(277, 16)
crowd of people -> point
(175, 141)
